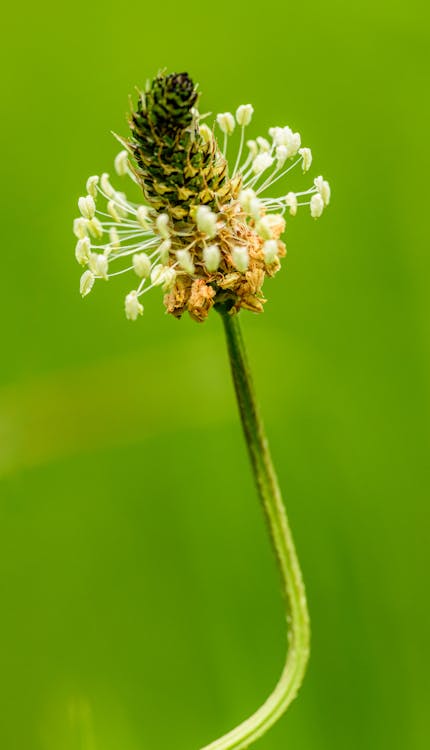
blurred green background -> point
(140, 606)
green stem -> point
(295, 599)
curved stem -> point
(295, 599)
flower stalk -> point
(267, 485)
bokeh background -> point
(140, 606)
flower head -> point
(205, 230)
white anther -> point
(306, 155)
(185, 261)
(80, 228)
(113, 211)
(87, 206)
(86, 283)
(212, 257)
(323, 188)
(262, 162)
(91, 185)
(142, 215)
(82, 251)
(106, 186)
(121, 163)
(133, 308)
(263, 144)
(240, 258)
(226, 122)
(162, 224)
(317, 206)
(206, 221)
(291, 202)
(206, 133)
(270, 250)
(142, 265)
(95, 228)
(244, 114)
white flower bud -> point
(226, 122)
(264, 228)
(244, 114)
(133, 308)
(162, 224)
(212, 257)
(253, 148)
(185, 261)
(206, 221)
(263, 144)
(95, 228)
(82, 251)
(323, 188)
(206, 133)
(240, 258)
(142, 265)
(121, 163)
(106, 186)
(112, 210)
(142, 215)
(86, 283)
(270, 250)
(115, 243)
(87, 206)
(317, 206)
(164, 251)
(80, 228)
(91, 185)
(291, 202)
(261, 163)
(306, 155)
(281, 156)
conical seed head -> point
(176, 167)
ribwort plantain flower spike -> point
(208, 234)
(192, 199)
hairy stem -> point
(292, 584)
